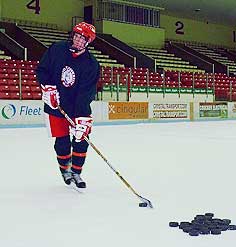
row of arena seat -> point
(23, 95)
(16, 71)
(16, 88)
(131, 77)
(223, 86)
(17, 64)
(9, 82)
(17, 76)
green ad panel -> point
(43, 11)
(178, 28)
(213, 110)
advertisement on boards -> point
(16, 112)
(232, 109)
(127, 110)
(213, 110)
(169, 111)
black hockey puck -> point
(193, 233)
(187, 229)
(209, 215)
(200, 217)
(205, 231)
(227, 221)
(224, 227)
(215, 232)
(184, 224)
(232, 227)
(143, 204)
(173, 224)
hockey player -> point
(68, 75)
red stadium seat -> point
(14, 88)
(4, 76)
(13, 76)
(13, 82)
(37, 95)
(36, 89)
(4, 88)
(14, 95)
(25, 89)
(3, 81)
(27, 95)
(5, 95)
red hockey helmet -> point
(85, 29)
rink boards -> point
(30, 112)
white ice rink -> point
(183, 168)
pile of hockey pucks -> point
(204, 224)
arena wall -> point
(174, 28)
(135, 34)
(196, 31)
(54, 12)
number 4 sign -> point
(35, 5)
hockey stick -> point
(145, 202)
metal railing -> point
(127, 12)
(75, 20)
(29, 22)
(210, 85)
(14, 47)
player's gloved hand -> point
(50, 96)
(83, 127)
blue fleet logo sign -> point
(8, 111)
(67, 76)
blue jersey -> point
(75, 78)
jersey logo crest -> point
(67, 76)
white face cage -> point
(79, 42)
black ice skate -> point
(67, 176)
(78, 181)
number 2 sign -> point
(180, 27)
(34, 5)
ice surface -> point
(183, 168)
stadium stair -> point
(3, 56)
(215, 54)
(49, 35)
(168, 61)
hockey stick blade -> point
(145, 200)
